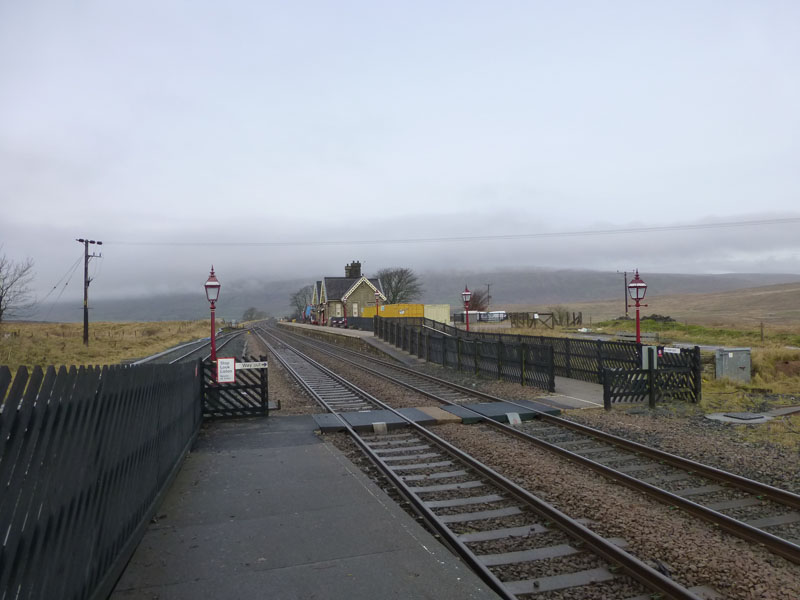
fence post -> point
(444, 351)
(567, 361)
(458, 354)
(420, 350)
(499, 359)
(523, 350)
(600, 360)
(263, 379)
(698, 374)
(606, 391)
(427, 347)
(651, 376)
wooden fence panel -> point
(85, 455)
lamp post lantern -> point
(212, 293)
(637, 288)
(466, 295)
(377, 303)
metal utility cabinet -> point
(733, 363)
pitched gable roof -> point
(373, 283)
(339, 288)
(315, 296)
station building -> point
(347, 296)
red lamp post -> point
(212, 293)
(377, 303)
(637, 289)
(466, 295)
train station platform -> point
(265, 508)
(368, 337)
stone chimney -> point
(353, 270)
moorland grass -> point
(44, 344)
(675, 331)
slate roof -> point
(336, 287)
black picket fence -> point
(527, 364)
(678, 374)
(653, 385)
(86, 455)
(574, 358)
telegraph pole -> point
(488, 295)
(86, 282)
(625, 289)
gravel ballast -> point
(696, 553)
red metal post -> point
(466, 295)
(638, 331)
(213, 334)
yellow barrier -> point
(396, 310)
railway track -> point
(752, 510)
(192, 350)
(518, 543)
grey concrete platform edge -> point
(263, 508)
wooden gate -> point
(247, 397)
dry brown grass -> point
(777, 306)
(109, 343)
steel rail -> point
(231, 336)
(631, 565)
(774, 543)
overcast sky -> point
(159, 126)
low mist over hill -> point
(543, 286)
(509, 289)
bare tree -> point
(15, 292)
(300, 299)
(399, 285)
(479, 300)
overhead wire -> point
(477, 238)
(73, 268)
(69, 270)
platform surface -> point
(263, 508)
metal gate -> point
(247, 397)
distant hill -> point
(509, 289)
(543, 286)
(775, 305)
